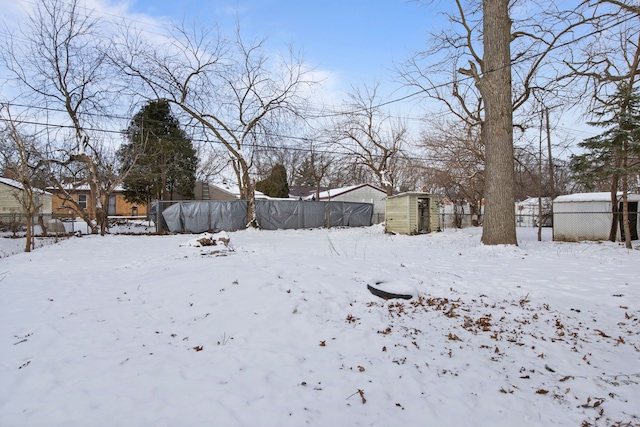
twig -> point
(361, 393)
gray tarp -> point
(201, 216)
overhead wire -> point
(336, 110)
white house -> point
(11, 191)
(527, 212)
(588, 216)
(456, 214)
(221, 191)
(362, 193)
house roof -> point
(303, 191)
(18, 185)
(235, 190)
(85, 187)
(593, 197)
(11, 183)
(532, 201)
(339, 191)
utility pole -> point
(540, 181)
(552, 180)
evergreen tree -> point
(275, 185)
(306, 174)
(614, 155)
(606, 153)
(163, 156)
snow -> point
(18, 185)
(277, 328)
(592, 197)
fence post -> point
(158, 216)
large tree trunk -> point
(495, 87)
(247, 190)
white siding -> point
(8, 201)
(10, 204)
(364, 194)
(584, 216)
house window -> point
(82, 201)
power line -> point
(337, 111)
(340, 111)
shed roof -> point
(593, 197)
(83, 187)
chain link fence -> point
(43, 224)
(567, 226)
(573, 227)
(459, 220)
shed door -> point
(633, 220)
(423, 215)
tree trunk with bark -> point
(495, 87)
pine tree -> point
(275, 185)
(614, 155)
(164, 157)
(604, 153)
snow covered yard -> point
(278, 329)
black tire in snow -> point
(387, 295)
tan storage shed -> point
(412, 213)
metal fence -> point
(42, 224)
(567, 226)
(576, 226)
(459, 220)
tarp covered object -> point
(201, 216)
(290, 214)
(287, 214)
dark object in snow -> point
(387, 295)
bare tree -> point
(230, 88)
(22, 159)
(59, 61)
(501, 67)
(457, 161)
(266, 158)
(313, 170)
(410, 173)
(372, 137)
